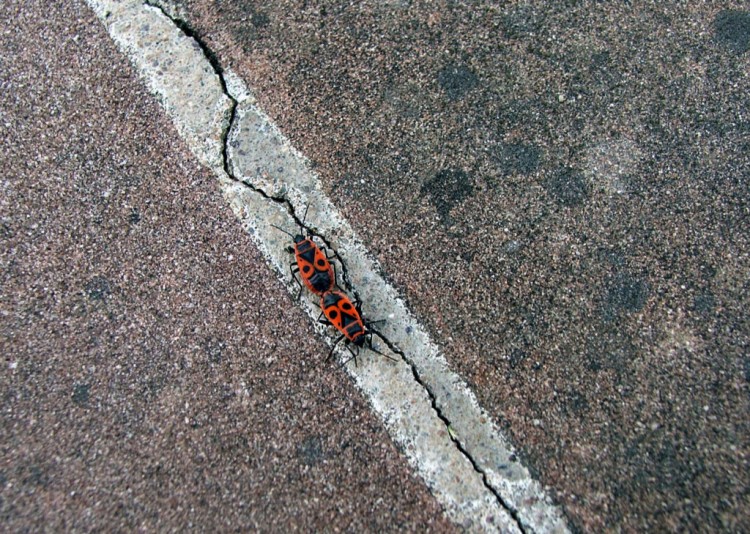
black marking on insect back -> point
(331, 299)
(347, 319)
(307, 252)
(305, 246)
(353, 330)
(321, 281)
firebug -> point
(346, 317)
(311, 262)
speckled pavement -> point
(560, 194)
(156, 375)
(428, 410)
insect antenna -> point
(281, 229)
(373, 331)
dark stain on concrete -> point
(81, 394)
(732, 29)
(517, 158)
(568, 187)
(214, 348)
(447, 189)
(456, 80)
(98, 288)
(704, 303)
(248, 22)
(35, 475)
(310, 451)
(5, 231)
(626, 293)
(523, 21)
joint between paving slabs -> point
(213, 60)
(457, 442)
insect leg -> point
(334, 255)
(354, 357)
(338, 340)
(291, 269)
(335, 274)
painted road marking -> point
(450, 441)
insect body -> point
(311, 262)
(313, 265)
(345, 316)
(318, 274)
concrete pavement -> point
(559, 194)
(156, 375)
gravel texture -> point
(560, 191)
(156, 376)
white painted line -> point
(428, 409)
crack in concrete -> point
(434, 403)
(213, 60)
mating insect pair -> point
(318, 274)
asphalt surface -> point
(560, 193)
(156, 374)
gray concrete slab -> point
(156, 375)
(560, 192)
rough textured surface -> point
(155, 374)
(561, 193)
(257, 154)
